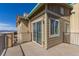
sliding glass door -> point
(37, 32)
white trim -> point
(54, 35)
(37, 20)
(34, 8)
(38, 15)
(3, 52)
(36, 43)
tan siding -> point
(55, 7)
(52, 41)
(56, 40)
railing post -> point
(63, 37)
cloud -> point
(5, 26)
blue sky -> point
(9, 11)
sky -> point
(9, 11)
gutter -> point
(35, 9)
(69, 5)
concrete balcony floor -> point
(14, 51)
(33, 49)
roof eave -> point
(35, 9)
(39, 5)
(70, 6)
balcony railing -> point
(2, 43)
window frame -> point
(62, 11)
(67, 30)
(54, 35)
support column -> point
(45, 28)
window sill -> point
(56, 35)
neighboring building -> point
(45, 24)
(23, 30)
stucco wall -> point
(74, 25)
(23, 32)
(75, 19)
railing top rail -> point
(72, 32)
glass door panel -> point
(34, 32)
(37, 32)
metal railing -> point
(22, 37)
(71, 37)
(66, 37)
(2, 43)
(74, 37)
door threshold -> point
(37, 44)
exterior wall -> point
(74, 25)
(52, 41)
(55, 7)
(59, 39)
(47, 41)
(40, 15)
(23, 33)
(55, 40)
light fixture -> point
(73, 11)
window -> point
(62, 11)
(66, 12)
(67, 28)
(54, 27)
